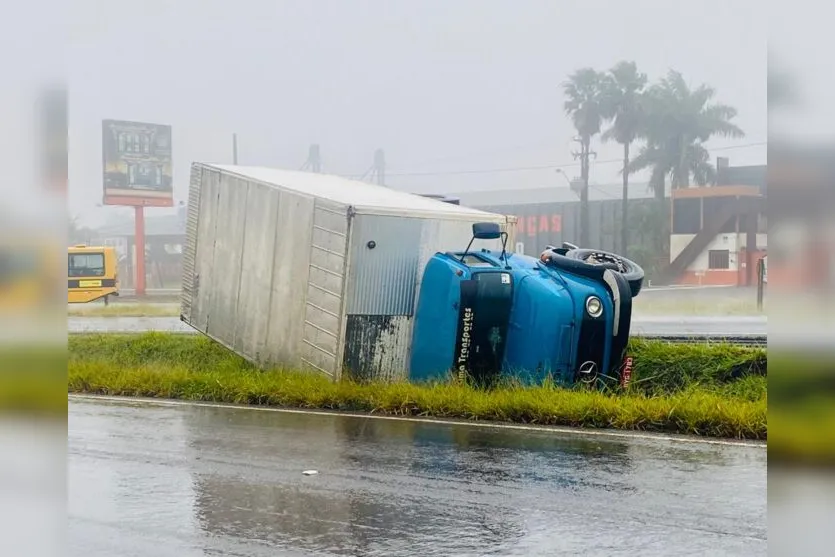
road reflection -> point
(195, 480)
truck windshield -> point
(472, 260)
(86, 265)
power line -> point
(607, 194)
(489, 170)
(740, 146)
(545, 166)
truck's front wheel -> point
(631, 271)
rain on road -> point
(160, 479)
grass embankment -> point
(715, 391)
(124, 309)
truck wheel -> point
(591, 263)
(631, 271)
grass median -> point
(124, 309)
(717, 391)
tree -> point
(583, 101)
(678, 121)
(622, 105)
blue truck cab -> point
(484, 314)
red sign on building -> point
(537, 224)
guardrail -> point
(739, 340)
(151, 292)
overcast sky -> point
(441, 86)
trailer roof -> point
(363, 197)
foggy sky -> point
(440, 86)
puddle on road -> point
(187, 479)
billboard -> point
(137, 164)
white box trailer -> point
(312, 271)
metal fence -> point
(762, 281)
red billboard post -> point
(137, 173)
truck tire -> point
(631, 271)
(577, 261)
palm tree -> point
(678, 121)
(623, 105)
(583, 101)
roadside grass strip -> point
(708, 390)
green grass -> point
(697, 390)
(122, 309)
(661, 367)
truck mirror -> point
(486, 231)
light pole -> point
(576, 185)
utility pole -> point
(584, 155)
(139, 246)
(624, 205)
(377, 171)
(235, 148)
(380, 166)
(314, 160)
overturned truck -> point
(485, 314)
(318, 272)
(312, 271)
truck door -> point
(483, 317)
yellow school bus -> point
(92, 274)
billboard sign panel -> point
(137, 164)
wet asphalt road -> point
(649, 326)
(185, 480)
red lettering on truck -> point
(626, 374)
